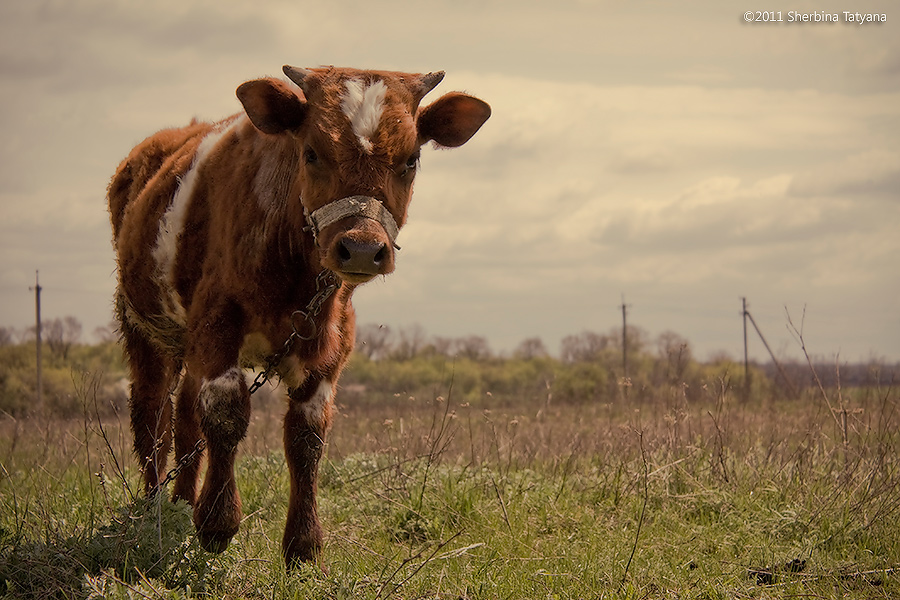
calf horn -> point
(298, 76)
(427, 83)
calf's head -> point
(354, 139)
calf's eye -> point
(310, 156)
(411, 163)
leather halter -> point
(352, 206)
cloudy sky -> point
(666, 152)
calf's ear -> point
(272, 106)
(452, 119)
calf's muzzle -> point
(357, 254)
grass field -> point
(437, 498)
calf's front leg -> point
(225, 413)
(306, 425)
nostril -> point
(343, 252)
(381, 255)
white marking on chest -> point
(172, 223)
(364, 106)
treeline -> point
(389, 364)
(589, 367)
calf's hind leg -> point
(152, 375)
(187, 435)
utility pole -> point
(624, 338)
(37, 310)
(745, 314)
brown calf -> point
(225, 234)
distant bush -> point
(91, 375)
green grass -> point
(433, 498)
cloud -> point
(637, 160)
(583, 155)
(702, 75)
(76, 45)
(872, 172)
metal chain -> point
(186, 460)
(326, 284)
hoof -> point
(298, 560)
(297, 564)
(214, 534)
(214, 542)
(307, 550)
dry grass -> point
(430, 497)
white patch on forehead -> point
(364, 105)
(172, 224)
